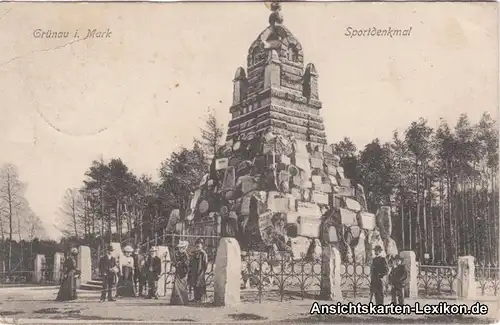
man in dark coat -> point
(139, 276)
(379, 269)
(153, 271)
(197, 270)
(397, 279)
(108, 268)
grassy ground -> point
(30, 303)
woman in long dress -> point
(180, 290)
(197, 269)
(67, 290)
(126, 286)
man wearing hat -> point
(397, 279)
(379, 269)
(153, 271)
(197, 269)
(180, 294)
(108, 268)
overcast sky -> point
(140, 94)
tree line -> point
(114, 204)
(19, 225)
(441, 184)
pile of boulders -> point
(277, 192)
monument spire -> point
(275, 18)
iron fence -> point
(42, 277)
(278, 276)
(355, 279)
(487, 280)
(16, 277)
(437, 280)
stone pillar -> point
(164, 254)
(466, 284)
(272, 71)
(227, 273)
(330, 274)
(84, 264)
(410, 262)
(39, 268)
(58, 261)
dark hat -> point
(378, 248)
(397, 257)
(199, 241)
(110, 248)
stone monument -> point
(276, 182)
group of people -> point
(133, 271)
(397, 278)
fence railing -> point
(279, 276)
(30, 277)
(356, 278)
(487, 280)
(437, 280)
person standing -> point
(67, 290)
(197, 269)
(108, 268)
(126, 287)
(139, 272)
(397, 279)
(153, 271)
(379, 269)
(180, 295)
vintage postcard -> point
(291, 162)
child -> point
(397, 279)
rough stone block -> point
(359, 250)
(390, 247)
(410, 262)
(330, 274)
(384, 222)
(299, 246)
(227, 273)
(84, 264)
(466, 282)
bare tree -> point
(71, 211)
(11, 199)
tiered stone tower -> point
(276, 183)
(276, 94)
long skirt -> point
(179, 292)
(67, 290)
(126, 286)
(199, 292)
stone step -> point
(95, 282)
(90, 286)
